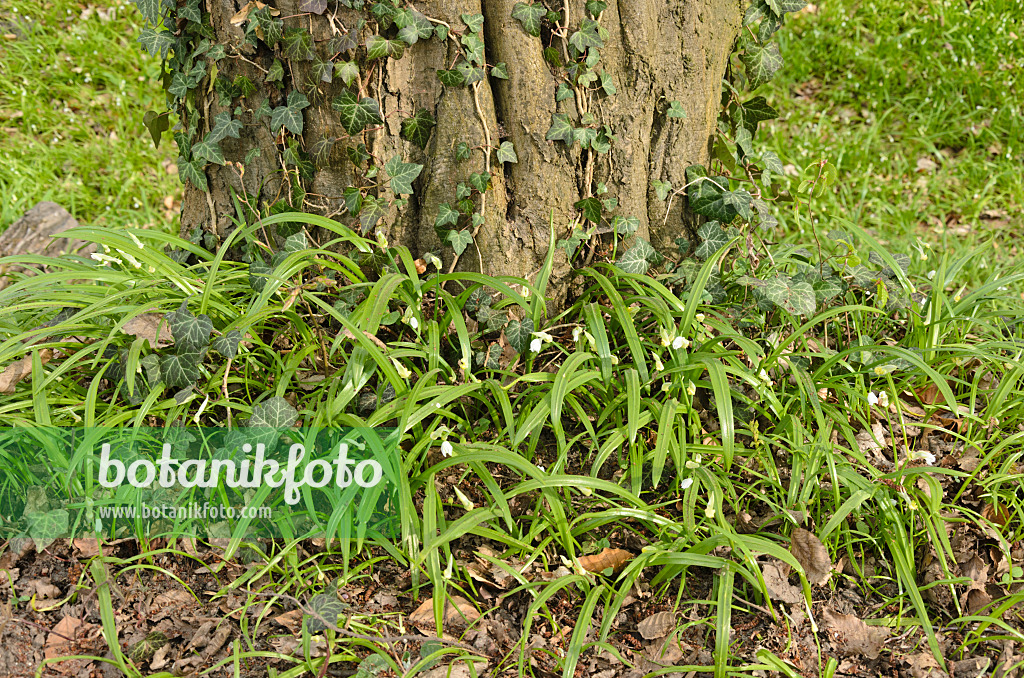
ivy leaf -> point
(461, 153)
(708, 198)
(764, 212)
(452, 78)
(188, 330)
(768, 27)
(761, 62)
(675, 110)
(323, 70)
(157, 124)
(796, 298)
(325, 605)
(356, 114)
(561, 129)
(342, 42)
(414, 26)
(150, 10)
(371, 213)
(417, 128)
(446, 216)
(347, 71)
(227, 345)
(827, 288)
(462, 191)
(192, 171)
(259, 273)
(378, 47)
(209, 150)
(518, 333)
(402, 174)
(224, 126)
(271, 27)
(591, 208)
(156, 42)
(298, 44)
(584, 135)
(480, 181)
(469, 72)
(757, 110)
(320, 150)
(276, 72)
(500, 70)
(275, 412)
(46, 527)
(625, 225)
(473, 21)
(607, 84)
(507, 152)
(459, 240)
(661, 188)
(585, 38)
(564, 92)
(477, 298)
(290, 115)
(244, 86)
(595, 7)
(758, 10)
(712, 238)
(181, 368)
(529, 16)
(791, 5)
(190, 12)
(313, 6)
(638, 258)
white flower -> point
(615, 360)
(666, 336)
(766, 378)
(439, 432)
(881, 399)
(535, 345)
(577, 332)
(657, 362)
(547, 338)
(104, 259)
(137, 242)
(924, 455)
(666, 386)
(403, 371)
(710, 511)
(691, 388)
(413, 323)
(677, 343)
(699, 317)
(446, 449)
(131, 260)
(462, 364)
(685, 483)
(693, 463)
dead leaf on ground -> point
(21, 369)
(812, 555)
(926, 164)
(458, 611)
(613, 558)
(923, 665)
(850, 635)
(776, 580)
(150, 326)
(657, 625)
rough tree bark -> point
(657, 51)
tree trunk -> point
(655, 52)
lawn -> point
(671, 479)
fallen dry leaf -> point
(657, 625)
(852, 636)
(613, 558)
(20, 369)
(812, 555)
(150, 326)
(923, 665)
(776, 580)
(458, 611)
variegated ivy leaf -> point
(591, 209)
(519, 333)
(157, 42)
(712, 238)
(371, 213)
(348, 71)
(271, 27)
(313, 6)
(827, 288)
(417, 128)
(530, 16)
(413, 25)
(595, 7)
(561, 129)
(259, 274)
(188, 330)
(227, 345)
(564, 92)
(356, 114)
(378, 47)
(757, 110)
(638, 258)
(298, 44)
(275, 73)
(473, 21)
(661, 188)
(507, 152)
(500, 70)
(675, 110)
(451, 78)
(323, 70)
(469, 72)
(761, 62)
(477, 298)
(796, 298)
(402, 175)
(480, 181)
(208, 150)
(764, 212)
(274, 412)
(585, 38)
(710, 197)
(150, 10)
(45, 527)
(446, 216)
(758, 10)
(224, 126)
(182, 368)
(625, 225)
(459, 240)
(290, 115)
(327, 607)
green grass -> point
(72, 96)
(879, 86)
